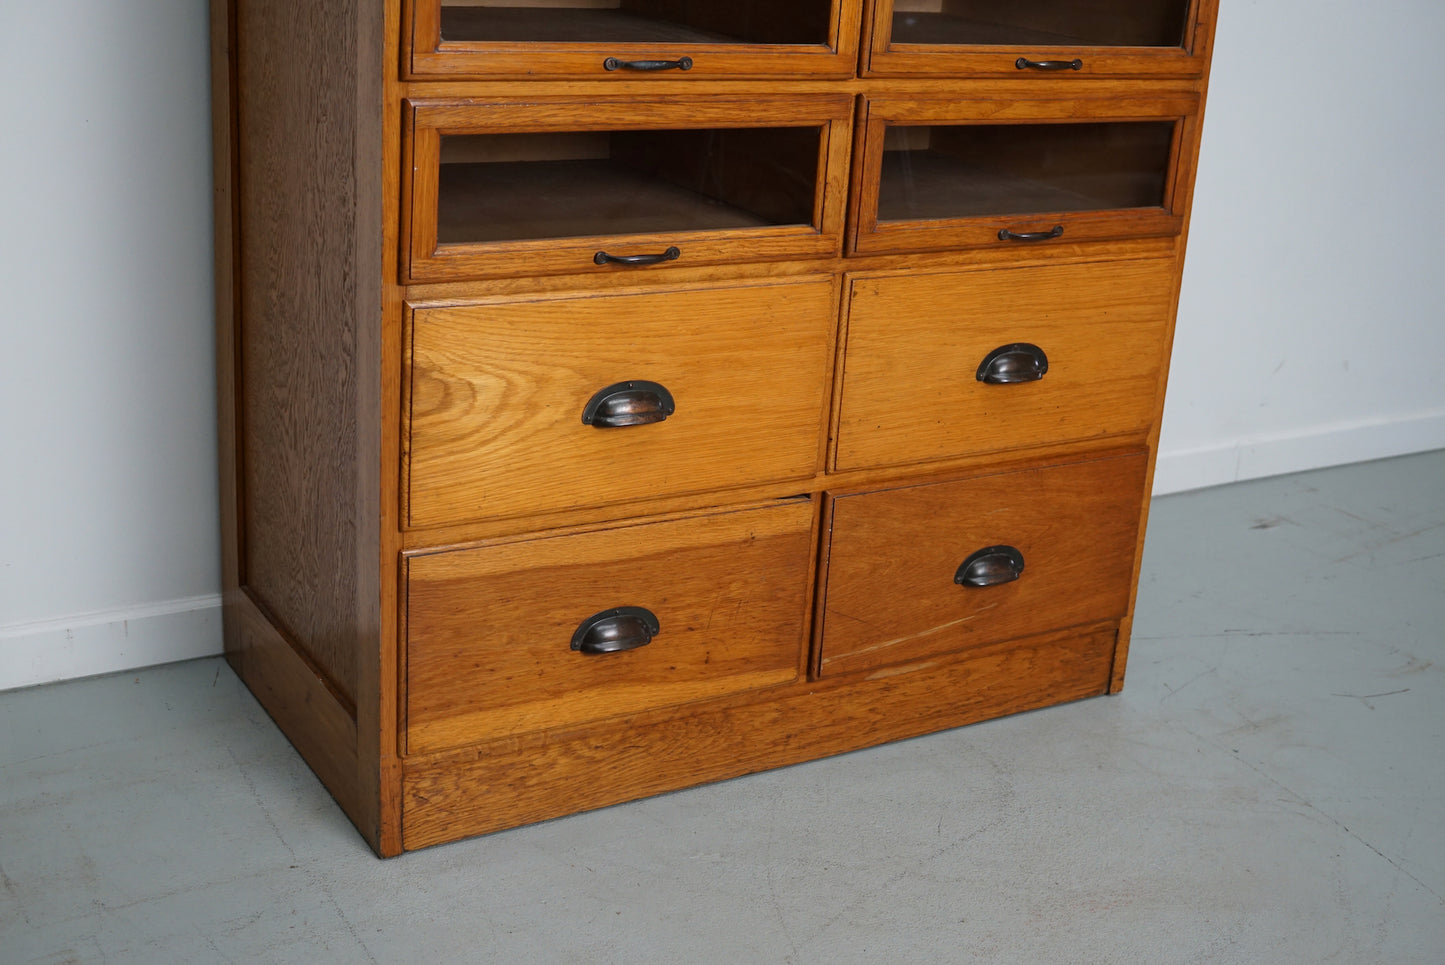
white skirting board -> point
(1314, 448)
(109, 641)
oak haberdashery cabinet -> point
(620, 395)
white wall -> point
(108, 527)
(1309, 331)
(1312, 321)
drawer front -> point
(937, 174)
(609, 184)
(894, 557)
(916, 344)
(1039, 39)
(490, 630)
(665, 41)
(498, 394)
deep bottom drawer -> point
(491, 631)
(1052, 548)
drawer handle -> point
(991, 566)
(616, 630)
(1023, 63)
(671, 254)
(1011, 364)
(628, 404)
(681, 63)
(1057, 231)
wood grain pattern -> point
(498, 390)
(892, 556)
(489, 629)
(910, 387)
(379, 297)
(299, 698)
(391, 484)
(517, 783)
(297, 69)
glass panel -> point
(637, 21)
(937, 173)
(505, 187)
(1056, 23)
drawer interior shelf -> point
(1122, 23)
(942, 173)
(718, 22)
(624, 182)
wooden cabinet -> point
(618, 395)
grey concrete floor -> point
(1269, 787)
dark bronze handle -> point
(1057, 231)
(1023, 63)
(612, 631)
(681, 63)
(603, 258)
(628, 404)
(990, 566)
(1010, 364)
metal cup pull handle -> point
(616, 630)
(990, 566)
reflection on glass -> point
(501, 187)
(637, 21)
(967, 171)
(1068, 23)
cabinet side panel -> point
(301, 321)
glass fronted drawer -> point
(948, 174)
(665, 39)
(1150, 38)
(571, 185)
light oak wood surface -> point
(910, 391)
(413, 511)
(498, 391)
(489, 629)
(892, 557)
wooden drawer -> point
(893, 558)
(490, 630)
(1040, 39)
(579, 185)
(498, 391)
(943, 173)
(663, 41)
(915, 343)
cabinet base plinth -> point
(522, 781)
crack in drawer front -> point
(913, 385)
(709, 606)
(925, 570)
(499, 391)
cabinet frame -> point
(427, 120)
(869, 235)
(881, 58)
(427, 56)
